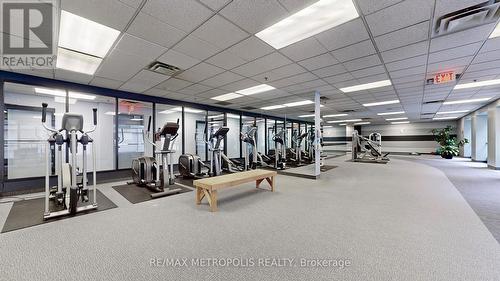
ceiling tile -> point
(330, 70)
(449, 65)
(222, 79)
(318, 62)
(485, 57)
(491, 45)
(300, 78)
(453, 53)
(105, 82)
(226, 60)
(196, 48)
(144, 80)
(220, 32)
(362, 63)
(112, 13)
(471, 35)
(403, 37)
(173, 84)
(177, 59)
(400, 15)
(280, 73)
(254, 16)
(132, 3)
(405, 52)
(251, 48)
(304, 49)
(354, 51)
(407, 63)
(121, 66)
(200, 72)
(163, 34)
(194, 89)
(343, 35)
(339, 78)
(67, 75)
(418, 70)
(185, 15)
(215, 4)
(139, 47)
(369, 71)
(271, 61)
(240, 85)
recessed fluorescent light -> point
(390, 113)
(444, 118)
(327, 126)
(255, 90)
(316, 18)
(396, 119)
(345, 121)
(335, 115)
(381, 103)
(298, 103)
(217, 116)
(366, 86)
(495, 32)
(85, 36)
(343, 124)
(189, 110)
(77, 62)
(234, 116)
(465, 101)
(477, 84)
(62, 93)
(452, 112)
(400, 122)
(271, 107)
(110, 113)
(136, 119)
(228, 96)
(63, 100)
(362, 123)
(307, 115)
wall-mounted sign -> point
(444, 77)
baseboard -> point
(493, 167)
(479, 161)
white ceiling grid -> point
(214, 44)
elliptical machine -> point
(255, 158)
(146, 169)
(279, 145)
(70, 186)
(216, 154)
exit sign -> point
(444, 77)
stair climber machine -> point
(71, 182)
(255, 158)
(148, 172)
(301, 155)
(368, 150)
(279, 150)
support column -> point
(494, 137)
(461, 134)
(479, 137)
(317, 134)
(473, 137)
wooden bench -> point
(208, 187)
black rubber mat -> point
(27, 213)
(135, 194)
(325, 168)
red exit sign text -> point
(444, 77)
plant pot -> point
(447, 156)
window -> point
(233, 136)
(195, 132)
(168, 113)
(133, 117)
(26, 140)
(260, 135)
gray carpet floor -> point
(479, 186)
(400, 221)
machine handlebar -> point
(149, 124)
(95, 116)
(44, 112)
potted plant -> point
(449, 144)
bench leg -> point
(257, 183)
(271, 182)
(199, 195)
(213, 201)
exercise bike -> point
(146, 169)
(71, 186)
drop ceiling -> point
(213, 42)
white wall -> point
(480, 140)
(411, 129)
(336, 131)
(233, 137)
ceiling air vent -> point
(223, 103)
(486, 12)
(347, 110)
(433, 101)
(163, 68)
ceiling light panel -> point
(362, 123)
(278, 106)
(390, 113)
(465, 101)
(366, 86)
(400, 122)
(85, 36)
(444, 118)
(477, 84)
(381, 103)
(495, 32)
(396, 119)
(228, 96)
(345, 121)
(298, 103)
(316, 18)
(335, 115)
(307, 115)
(77, 62)
(451, 112)
(255, 90)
